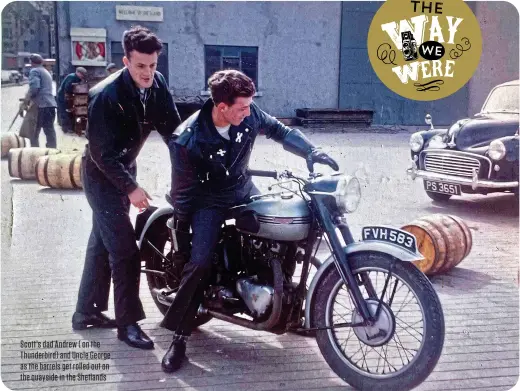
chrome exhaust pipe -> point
(162, 297)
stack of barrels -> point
(443, 240)
(12, 140)
(48, 166)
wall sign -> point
(132, 12)
(88, 46)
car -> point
(477, 155)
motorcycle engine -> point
(257, 297)
(256, 290)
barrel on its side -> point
(22, 161)
(59, 171)
(12, 140)
(443, 240)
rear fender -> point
(158, 216)
(396, 252)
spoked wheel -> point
(402, 347)
(157, 283)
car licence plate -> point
(392, 235)
(442, 187)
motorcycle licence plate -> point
(442, 187)
(391, 235)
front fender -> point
(161, 212)
(354, 248)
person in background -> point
(64, 116)
(111, 68)
(40, 93)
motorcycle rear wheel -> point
(153, 261)
(380, 346)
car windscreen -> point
(502, 99)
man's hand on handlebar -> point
(318, 156)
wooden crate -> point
(80, 88)
(316, 117)
(80, 125)
(80, 111)
(80, 100)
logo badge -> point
(424, 50)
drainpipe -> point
(57, 43)
(340, 50)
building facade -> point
(27, 27)
(300, 54)
(290, 49)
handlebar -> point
(264, 173)
(280, 174)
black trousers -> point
(206, 226)
(111, 252)
(46, 116)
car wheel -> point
(438, 196)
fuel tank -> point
(281, 217)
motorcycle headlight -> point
(497, 150)
(347, 194)
(416, 142)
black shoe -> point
(134, 336)
(175, 356)
(82, 321)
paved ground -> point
(44, 233)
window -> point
(26, 45)
(242, 58)
(41, 46)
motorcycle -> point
(376, 318)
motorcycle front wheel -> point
(402, 347)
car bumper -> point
(474, 182)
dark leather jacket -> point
(119, 124)
(207, 168)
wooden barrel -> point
(467, 234)
(430, 243)
(443, 241)
(59, 171)
(12, 140)
(22, 161)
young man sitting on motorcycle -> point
(210, 155)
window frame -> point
(222, 56)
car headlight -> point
(497, 150)
(347, 194)
(416, 142)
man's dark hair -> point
(142, 40)
(226, 86)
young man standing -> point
(210, 156)
(122, 111)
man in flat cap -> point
(111, 68)
(65, 117)
(40, 93)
